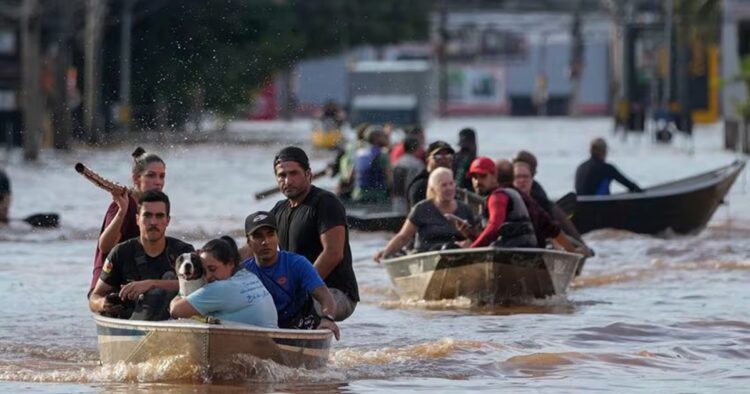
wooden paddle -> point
(43, 220)
(273, 190)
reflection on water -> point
(646, 313)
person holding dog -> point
(148, 173)
(231, 292)
(312, 223)
(138, 279)
(296, 287)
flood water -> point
(647, 314)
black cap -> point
(259, 219)
(437, 146)
(292, 153)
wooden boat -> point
(682, 207)
(484, 275)
(374, 217)
(208, 345)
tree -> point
(226, 49)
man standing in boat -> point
(594, 175)
(312, 223)
(508, 221)
(138, 279)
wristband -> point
(328, 317)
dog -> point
(189, 273)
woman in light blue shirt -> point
(231, 294)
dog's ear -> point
(196, 260)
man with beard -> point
(138, 279)
(312, 223)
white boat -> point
(208, 345)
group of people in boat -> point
(517, 211)
(294, 271)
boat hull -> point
(210, 346)
(374, 217)
(680, 207)
(483, 275)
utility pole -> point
(31, 90)
(125, 37)
(95, 12)
(61, 117)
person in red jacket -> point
(508, 221)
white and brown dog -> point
(189, 273)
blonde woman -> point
(438, 221)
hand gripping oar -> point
(98, 180)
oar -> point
(568, 203)
(273, 190)
(44, 220)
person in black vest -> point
(138, 279)
(312, 222)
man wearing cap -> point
(372, 168)
(594, 176)
(294, 284)
(439, 154)
(508, 221)
(467, 143)
(312, 223)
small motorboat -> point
(681, 207)
(209, 346)
(486, 275)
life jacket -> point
(517, 231)
(369, 172)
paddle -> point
(43, 220)
(273, 190)
(568, 203)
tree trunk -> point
(31, 86)
(95, 12)
(61, 116)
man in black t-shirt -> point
(312, 222)
(138, 279)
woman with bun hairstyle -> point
(119, 223)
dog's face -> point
(189, 267)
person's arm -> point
(133, 290)
(180, 307)
(327, 310)
(497, 204)
(333, 242)
(407, 232)
(98, 301)
(617, 175)
(113, 231)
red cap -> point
(482, 165)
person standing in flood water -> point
(5, 196)
(594, 176)
(312, 222)
(148, 173)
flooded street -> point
(646, 315)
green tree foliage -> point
(227, 48)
